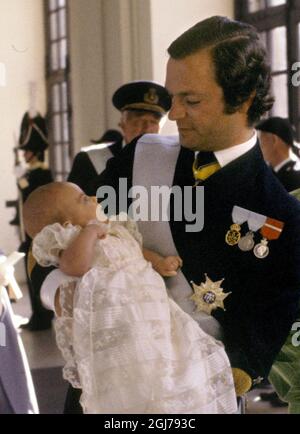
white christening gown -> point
(127, 345)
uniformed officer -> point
(142, 104)
(33, 142)
(277, 144)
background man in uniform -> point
(277, 143)
(142, 105)
(33, 142)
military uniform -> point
(138, 96)
(33, 138)
(264, 292)
(90, 162)
(287, 171)
(289, 175)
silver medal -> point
(261, 250)
(246, 243)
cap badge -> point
(151, 97)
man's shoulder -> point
(278, 198)
(87, 151)
(159, 140)
(82, 163)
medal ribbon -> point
(256, 221)
(239, 215)
(272, 229)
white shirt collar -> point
(280, 165)
(225, 156)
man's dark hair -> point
(239, 59)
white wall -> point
(116, 41)
(169, 19)
(87, 70)
(22, 53)
(107, 39)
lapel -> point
(183, 174)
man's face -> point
(28, 156)
(134, 124)
(198, 104)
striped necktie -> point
(205, 165)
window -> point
(58, 86)
(278, 22)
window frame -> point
(287, 15)
(58, 77)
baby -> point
(70, 205)
(126, 343)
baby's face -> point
(78, 208)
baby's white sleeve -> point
(48, 243)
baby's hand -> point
(168, 266)
(99, 230)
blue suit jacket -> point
(265, 292)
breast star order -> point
(209, 295)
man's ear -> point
(276, 140)
(122, 120)
(244, 108)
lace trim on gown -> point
(128, 346)
(48, 243)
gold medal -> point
(233, 236)
(239, 216)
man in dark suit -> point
(142, 104)
(219, 81)
(277, 143)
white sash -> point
(154, 165)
